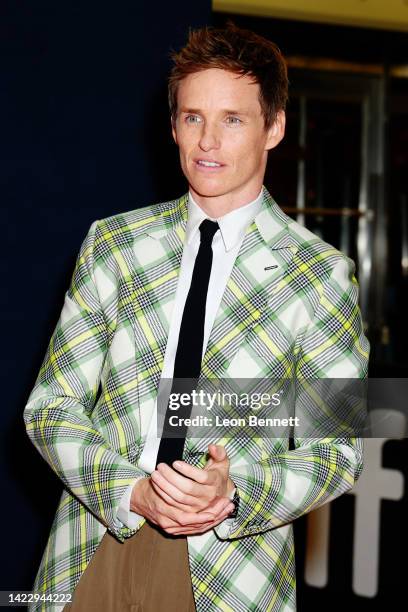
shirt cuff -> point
(126, 516)
(231, 495)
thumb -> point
(217, 452)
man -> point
(223, 274)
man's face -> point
(222, 139)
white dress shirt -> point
(225, 246)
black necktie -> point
(187, 364)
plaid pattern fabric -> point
(290, 307)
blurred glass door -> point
(328, 173)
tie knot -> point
(207, 230)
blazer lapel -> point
(260, 266)
(157, 257)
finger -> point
(218, 505)
(183, 483)
(196, 507)
(217, 459)
(171, 490)
(189, 518)
(189, 530)
(224, 513)
(215, 507)
(217, 452)
(192, 530)
(166, 523)
(169, 500)
(191, 471)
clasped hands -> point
(184, 499)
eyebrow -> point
(197, 111)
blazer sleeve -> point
(58, 415)
(283, 487)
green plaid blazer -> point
(90, 408)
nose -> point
(209, 137)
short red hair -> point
(236, 50)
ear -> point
(173, 129)
(277, 131)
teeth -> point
(208, 163)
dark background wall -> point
(84, 134)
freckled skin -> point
(205, 128)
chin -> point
(206, 190)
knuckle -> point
(178, 517)
(183, 498)
(190, 488)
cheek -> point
(183, 141)
(248, 156)
(246, 149)
(256, 153)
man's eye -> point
(234, 120)
(192, 119)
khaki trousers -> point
(148, 572)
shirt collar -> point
(233, 225)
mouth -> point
(208, 165)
